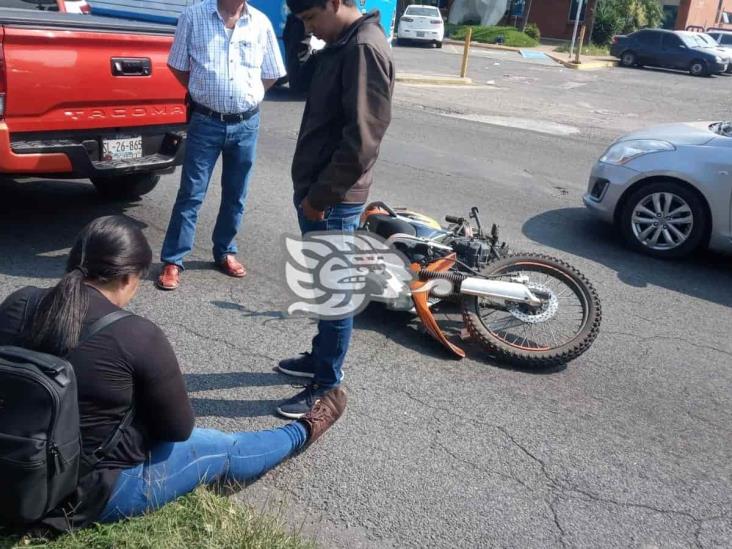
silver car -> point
(668, 189)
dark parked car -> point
(670, 49)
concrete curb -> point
(586, 66)
(431, 79)
(481, 45)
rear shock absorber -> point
(455, 278)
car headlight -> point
(625, 151)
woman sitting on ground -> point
(131, 363)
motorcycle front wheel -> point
(558, 331)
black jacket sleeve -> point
(160, 390)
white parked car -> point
(725, 50)
(421, 23)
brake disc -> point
(545, 312)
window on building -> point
(573, 10)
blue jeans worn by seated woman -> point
(208, 456)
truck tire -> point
(125, 186)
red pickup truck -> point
(88, 97)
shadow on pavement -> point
(39, 221)
(406, 330)
(232, 409)
(209, 382)
(705, 276)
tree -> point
(624, 16)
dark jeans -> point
(207, 139)
(330, 345)
(208, 456)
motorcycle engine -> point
(474, 253)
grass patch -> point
(591, 49)
(199, 519)
(488, 35)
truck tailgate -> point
(88, 78)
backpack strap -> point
(89, 461)
(102, 323)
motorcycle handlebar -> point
(454, 219)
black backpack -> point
(41, 457)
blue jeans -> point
(207, 457)
(330, 344)
(207, 139)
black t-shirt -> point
(129, 361)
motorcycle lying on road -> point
(525, 309)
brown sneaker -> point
(169, 277)
(324, 413)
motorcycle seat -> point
(385, 226)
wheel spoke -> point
(679, 235)
(656, 198)
(645, 232)
(656, 235)
(667, 199)
(641, 209)
(681, 209)
(680, 220)
(670, 239)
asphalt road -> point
(628, 446)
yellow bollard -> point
(466, 51)
(579, 46)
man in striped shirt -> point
(225, 53)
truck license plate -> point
(121, 149)
(420, 34)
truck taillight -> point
(2, 78)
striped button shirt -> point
(226, 73)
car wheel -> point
(698, 68)
(438, 44)
(628, 59)
(664, 219)
(125, 186)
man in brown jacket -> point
(346, 116)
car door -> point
(674, 54)
(649, 43)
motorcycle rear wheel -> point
(535, 338)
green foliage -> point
(532, 31)
(199, 519)
(623, 17)
(489, 35)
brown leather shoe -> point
(230, 266)
(169, 277)
(324, 413)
